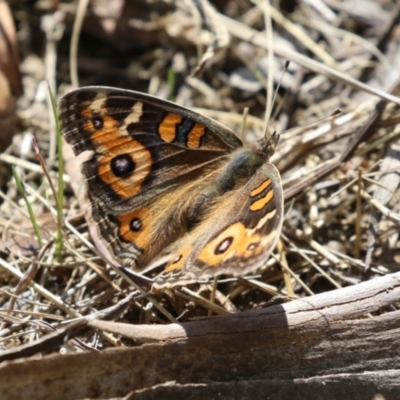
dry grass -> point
(338, 231)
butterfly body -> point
(170, 186)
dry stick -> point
(351, 183)
(55, 300)
(45, 172)
(319, 248)
(54, 30)
(285, 267)
(66, 244)
(46, 343)
(243, 32)
(19, 162)
(380, 141)
(238, 346)
(243, 126)
(270, 78)
(188, 294)
(121, 272)
(357, 244)
(324, 251)
(212, 297)
(221, 35)
(297, 279)
(296, 32)
(76, 30)
(321, 8)
(26, 280)
(297, 187)
(328, 29)
(227, 118)
(264, 287)
(390, 215)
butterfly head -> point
(266, 145)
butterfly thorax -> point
(242, 165)
(244, 162)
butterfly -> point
(173, 188)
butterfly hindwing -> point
(235, 239)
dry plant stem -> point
(28, 277)
(35, 314)
(12, 160)
(79, 17)
(247, 34)
(213, 291)
(353, 181)
(324, 305)
(384, 189)
(221, 38)
(46, 343)
(297, 187)
(296, 32)
(270, 78)
(99, 271)
(54, 30)
(392, 216)
(322, 9)
(188, 294)
(357, 244)
(297, 279)
(46, 173)
(331, 30)
(285, 273)
(27, 301)
(207, 90)
(244, 120)
(264, 287)
(326, 253)
(309, 260)
(225, 301)
(380, 141)
(9, 223)
(41, 290)
(32, 216)
(121, 273)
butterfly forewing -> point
(142, 146)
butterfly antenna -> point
(242, 128)
(334, 114)
(285, 68)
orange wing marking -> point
(235, 241)
(260, 188)
(140, 159)
(167, 128)
(180, 261)
(262, 202)
(195, 135)
(136, 227)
